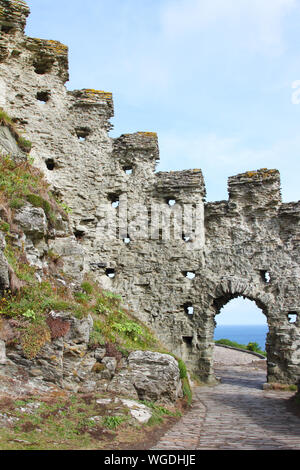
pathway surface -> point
(237, 414)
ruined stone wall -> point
(121, 212)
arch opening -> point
(240, 323)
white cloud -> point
(256, 24)
(220, 157)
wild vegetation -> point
(5, 120)
(76, 422)
(21, 182)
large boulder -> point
(32, 220)
(150, 376)
(72, 255)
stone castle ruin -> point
(150, 236)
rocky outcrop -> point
(68, 363)
(32, 221)
(149, 376)
(9, 146)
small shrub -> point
(4, 227)
(155, 420)
(96, 336)
(101, 308)
(112, 422)
(128, 328)
(5, 119)
(58, 327)
(158, 413)
(187, 393)
(29, 314)
(38, 201)
(16, 203)
(24, 144)
(97, 368)
(186, 388)
(87, 287)
(253, 347)
(182, 369)
(33, 338)
(112, 295)
(81, 297)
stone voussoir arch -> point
(234, 287)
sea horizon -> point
(243, 334)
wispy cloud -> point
(255, 24)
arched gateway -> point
(282, 340)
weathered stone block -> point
(32, 220)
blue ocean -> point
(243, 334)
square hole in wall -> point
(188, 341)
(128, 170)
(82, 133)
(43, 96)
(189, 274)
(265, 276)
(114, 199)
(186, 238)
(43, 64)
(171, 201)
(50, 164)
(6, 29)
(79, 234)
(111, 273)
(189, 309)
(293, 317)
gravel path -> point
(226, 356)
(237, 414)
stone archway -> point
(242, 321)
(280, 346)
(236, 309)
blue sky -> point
(241, 312)
(213, 78)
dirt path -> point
(237, 414)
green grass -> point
(112, 422)
(35, 300)
(249, 347)
(21, 183)
(6, 120)
(62, 423)
(186, 388)
(159, 412)
(73, 422)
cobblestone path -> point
(237, 414)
